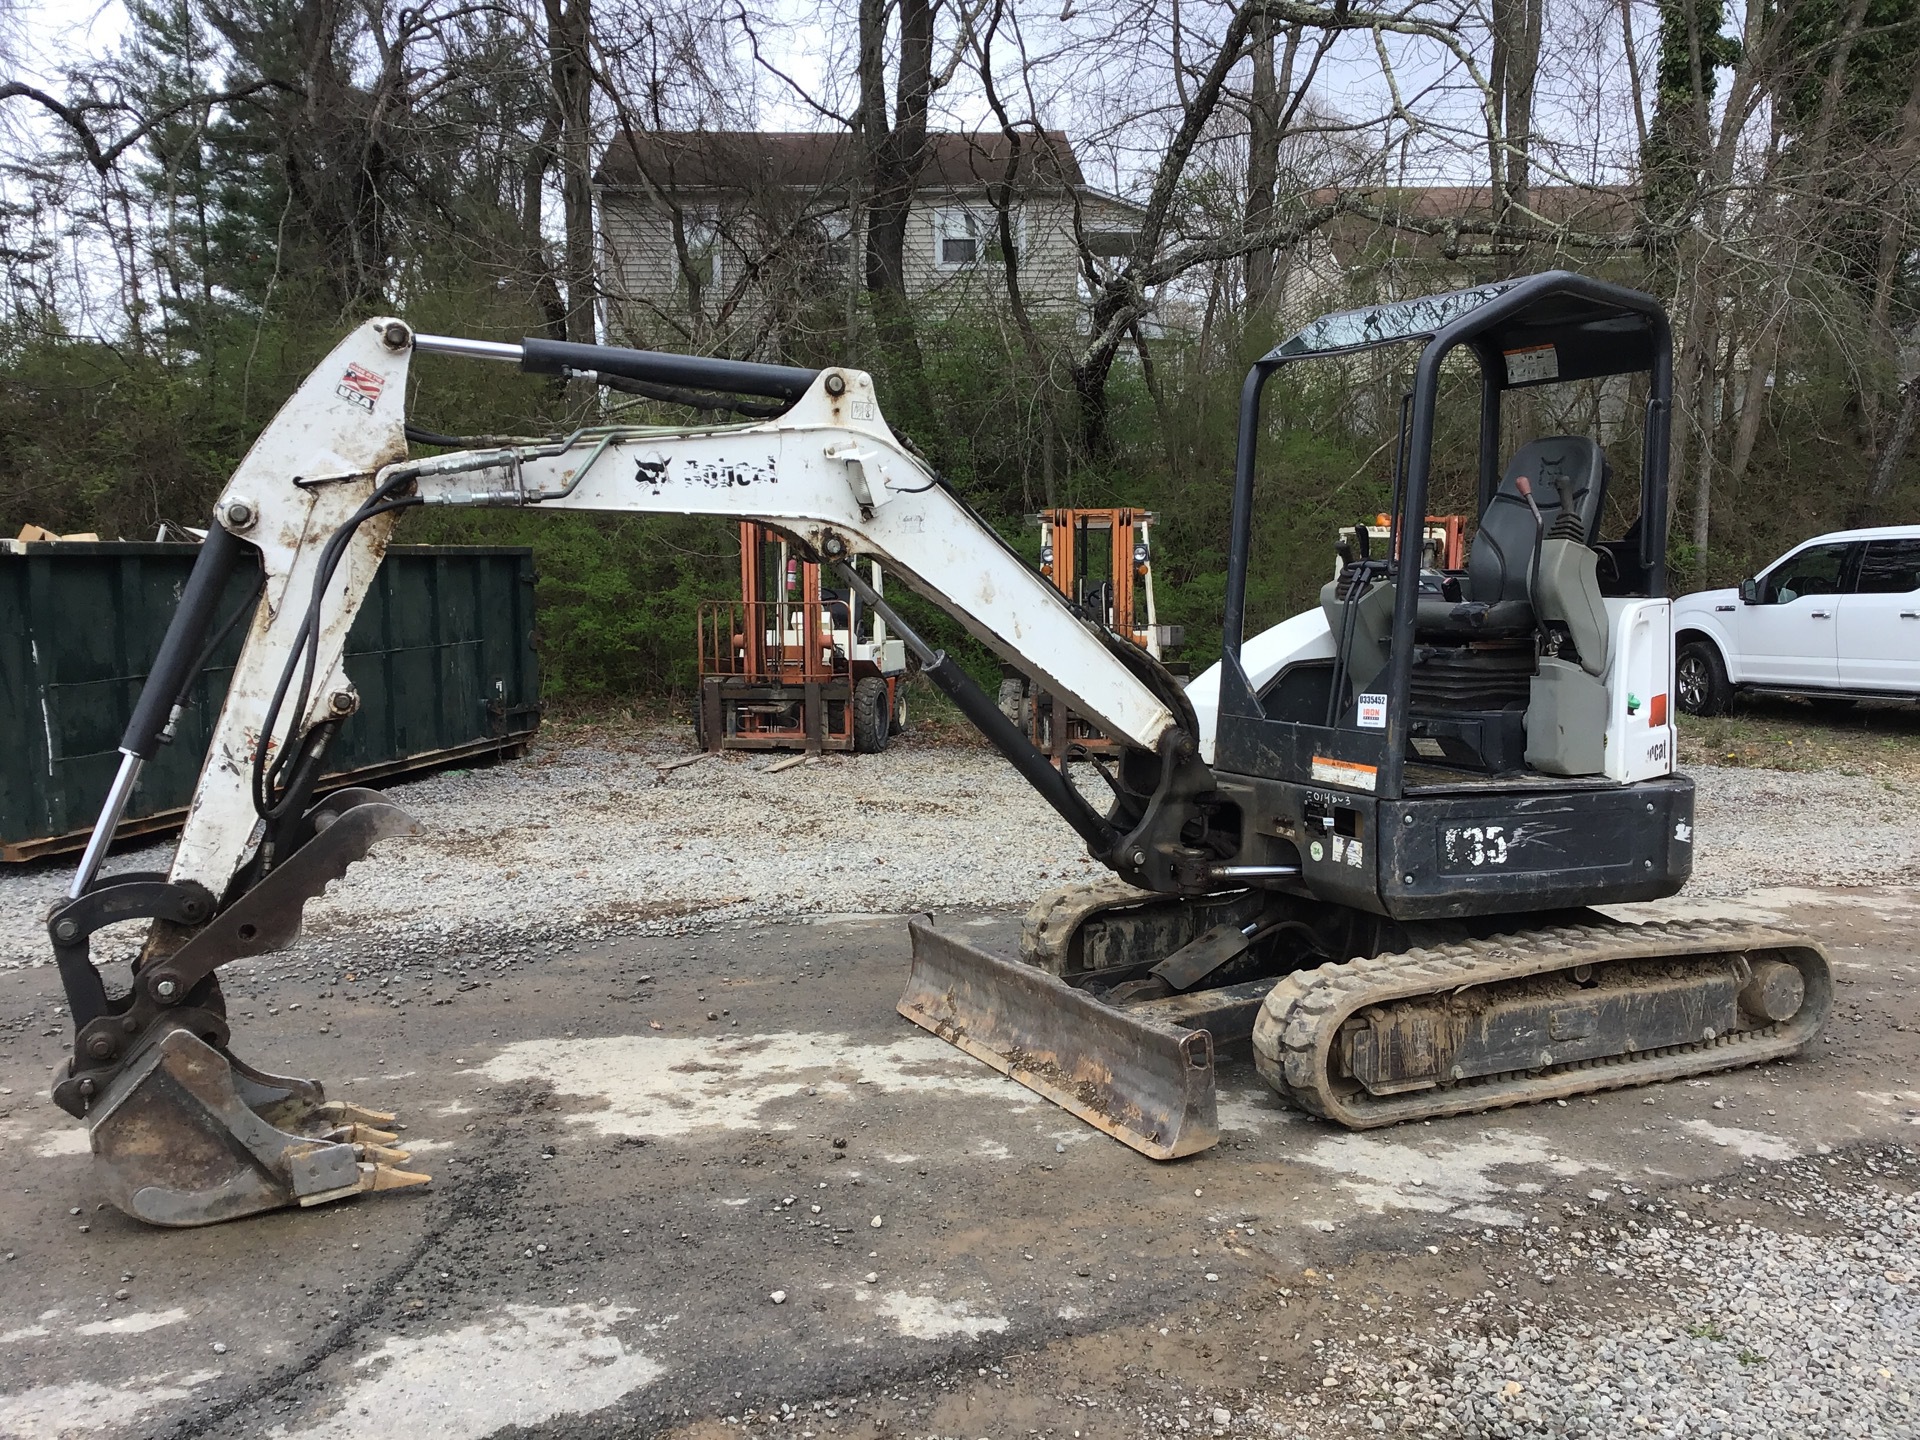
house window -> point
(836, 239)
(963, 237)
(703, 250)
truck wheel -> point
(1700, 679)
(870, 715)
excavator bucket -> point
(1146, 1082)
(182, 1132)
(188, 1135)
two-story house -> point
(735, 239)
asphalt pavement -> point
(712, 1184)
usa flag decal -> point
(360, 386)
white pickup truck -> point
(1836, 618)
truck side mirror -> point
(1750, 592)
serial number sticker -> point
(1428, 748)
(1533, 362)
(1349, 773)
(361, 386)
(1371, 712)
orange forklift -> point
(1443, 545)
(794, 664)
(1102, 561)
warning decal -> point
(1534, 363)
(360, 386)
(1349, 773)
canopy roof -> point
(1530, 331)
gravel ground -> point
(1781, 1301)
(593, 839)
(1800, 1323)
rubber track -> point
(1294, 1035)
(1056, 917)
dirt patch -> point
(1875, 739)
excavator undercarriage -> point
(1359, 1021)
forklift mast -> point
(1101, 559)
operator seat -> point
(1494, 600)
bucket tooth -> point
(345, 1112)
(1146, 1083)
(360, 1135)
(384, 1155)
(390, 1177)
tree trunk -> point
(547, 295)
(569, 59)
(1894, 453)
(894, 148)
(1523, 69)
(1512, 72)
(1753, 402)
(1263, 157)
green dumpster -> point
(442, 655)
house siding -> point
(647, 303)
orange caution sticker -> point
(1350, 773)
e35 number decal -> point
(1474, 845)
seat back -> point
(1501, 560)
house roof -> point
(1594, 208)
(818, 160)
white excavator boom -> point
(828, 470)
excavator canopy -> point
(1590, 327)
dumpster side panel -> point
(442, 656)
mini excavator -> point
(1369, 839)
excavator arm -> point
(827, 470)
(187, 1134)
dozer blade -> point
(186, 1135)
(1146, 1083)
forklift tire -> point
(1013, 700)
(870, 716)
(1700, 679)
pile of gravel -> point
(591, 840)
(1759, 828)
